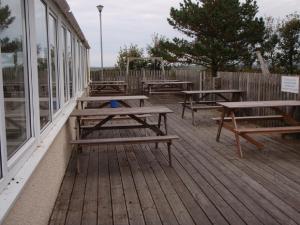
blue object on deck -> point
(114, 104)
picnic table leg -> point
(142, 102)
(221, 124)
(193, 117)
(169, 153)
(237, 136)
(184, 106)
(159, 123)
(165, 123)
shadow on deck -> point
(208, 183)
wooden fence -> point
(135, 77)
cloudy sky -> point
(135, 21)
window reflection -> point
(53, 60)
(64, 62)
(70, 64)
(42, 60)
(15, 79)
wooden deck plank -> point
(61, 207)
(104, 189)
(208, 183)
(254, 189)
(90, 212)
(135, 215)
(74, 215)
(179, 209)
(120, 215)
(147, 204)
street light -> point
(100, 7)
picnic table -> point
(229, 120)
(105, 100)
(107, 87)
(133, 113)
(166, 86)
(201, 104)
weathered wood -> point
(208, 182)
(109, 98)
(129, 140)
(120, 111)
(257, 104)
(265, 130)
(247, 118)
(213, 91)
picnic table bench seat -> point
(246, 118)
(264, 130)
(127, 140)
(97, 118)
(117, 126)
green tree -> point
(289, 45)
(269, 47)
(5, 17)
(221, 33)
(131, 51)
(158, 49)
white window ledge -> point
(11, 192)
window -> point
(70, 63)
(42, 61)
(15, 76)
(53, 62)
(64, 63)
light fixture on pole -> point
(100, 7)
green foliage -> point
(131, 51)
(269, 46)
(289, 45)
(157, 49)
(5, 17)
(220, 33)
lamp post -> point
(100, 7)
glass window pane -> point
(64, 63)
(53, 60)
(42, 61)
(70, 64)
(15, 78)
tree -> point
(131, 51)
(5, 17)
(289, 45)
(269, 46)
(157, 49)
(221, 33)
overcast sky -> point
(135, 21)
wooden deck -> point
(208, 183)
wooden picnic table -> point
(107, 87)
(236, 95)
(228, 116)
(166, 86)
(105, 100)
(133, 113)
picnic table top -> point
(107, 81)
(169, 82)
(109, 98)
(120, 111)
(259, 104)
(213, 91)
(108, 84)
(145, 81)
